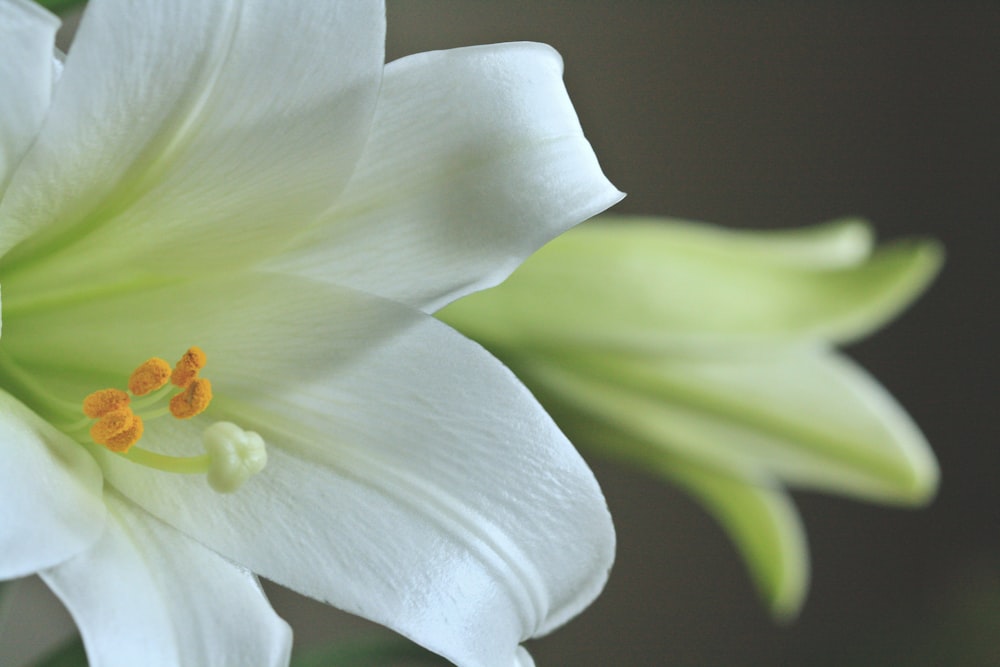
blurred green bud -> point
(704, 356)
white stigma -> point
(234, 455)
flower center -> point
(116, 420)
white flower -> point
(249, 178)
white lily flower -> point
(250, 178)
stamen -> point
(188, 366)
(231, 455)
(119, 425)
(104, 401)
(122, 442)
(111, 424)
(193, 400)
(149, 376)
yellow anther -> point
(104, 401)
(118, 423)
(149, 376)
(193, 400)
(111, 424)
(187, 368)
(122, 442)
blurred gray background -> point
(778, 114)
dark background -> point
(779, 114)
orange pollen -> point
(187, 368)
(111, 424)
(117, 427)
(193, 400)
(122, 442)
(104, 401)
(149, 376)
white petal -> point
(147, 595)
(27, 37)
(524, 658)
(51, 506)
(476, 160)
(195, 133)
(411, 478)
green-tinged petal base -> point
(663, 286)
